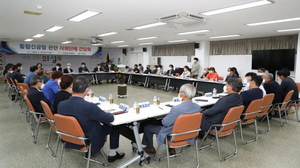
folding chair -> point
(21, 87)
(10, 86)
(186, 126)
(50, 118)
(14, 88)
(36, 119)
(24, 93)
(250, 116)
(265, 108)
(70, 131)
(281, 107)
(227, 127)
(296, 103)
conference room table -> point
(94, 77)
(132, 118)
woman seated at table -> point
(65, 93)
(233, 73)
(51, 87)
(186, 72)
(212, 74)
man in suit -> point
(68, 69)
(16, 75)
(272, 86)
(170, 71)
(186, 93)
(98, 68)
(253, 93)
(83, 68)
(57, 67)
(35, 95)
(217, 112)
(89, 116)
(288, 84)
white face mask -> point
(179, 97)
(42, 86)
(185, 69)
(68, 67)
(57, 67)
(21, 68)
(59, 81)
(170, 68)
(158, 68)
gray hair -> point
(48, 71)
(268, 75)
(235, 83)
(188, 89)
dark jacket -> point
(96, 69)
(60, 96)
(250, 95)
(54, 69)
(88, 115)
(170, 72)
(35, 96)
(66, 70)
(80, 69)
(216, 114)
(18, 76)
(289, 84)
(273, 87)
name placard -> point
(102, 99)
(124, 107)
(176, 99)
(144, 104)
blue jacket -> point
(50, 89)
(88, 115)
(186, 107)
(28, 77)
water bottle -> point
(136, 108)
(92, 93)
(89, 92)
(154, 101)
(214, 92)
(111, 100)
(158, 101)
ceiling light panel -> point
(123, 45)
(66, 42)
(114, 42)
(193, 32)
(175, 41)
(237, 7)
(146, 38)
(149, 25)
(28, 40)
(288, 30)
(84, 15)
(226, 36)
(107, 34)
(273, 21)
(54, 28)
(38, 35)
(146, 43)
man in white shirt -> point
(248, 78)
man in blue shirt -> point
(186, 93)
(33, 71)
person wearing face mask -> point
(186, 93)
(20, 67)
(232, 74)
(272, 86)
(288, 84)
(170, 71)
(98, 68)
(52, 86)
(195, 68)
(16, 75)
(218, 111)
(57, 67)
(33, 71)
(148, 70)
(186, 72)
(128, 69)
(35, 95)
(205, 72)
(46, 75)
(141, 68)
(159, 70)
(68, 69)
(65, 93)
(212, 74)
(83, 68)
(154, 69)
(136, 69)
(248, 78)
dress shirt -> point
(50, 89)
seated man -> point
(170, 71)
(216, 113)
(46, 75)
(15, 75)
(288, 84)
(186, 93)
(33, 71)
(68, 69)
(248, 78)
(128, 69)
(253, 93)
(98, 68)
(57, 67)
(89, 116)
(272, 86)
(35, 95)
(154, 69)
(148, 70)
(136, 69)
(83, 68)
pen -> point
(161, 108)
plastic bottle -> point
(158, 101)
(214, 92)
(111, 99)
(136, 108)
(89, 93)
(154, 101)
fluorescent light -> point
(83, 15)
(114, 42)
(28, 40)
(66, 42)
(123, 45)
(97, 44)
(287, 30)
(107, 34)
(145, 43)
(175, 41)
(193, 32)
(273, 21)
(237, 7)
(146, 38)
(54, 28)
(149, 25)
(38, 35)
(226, 36)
